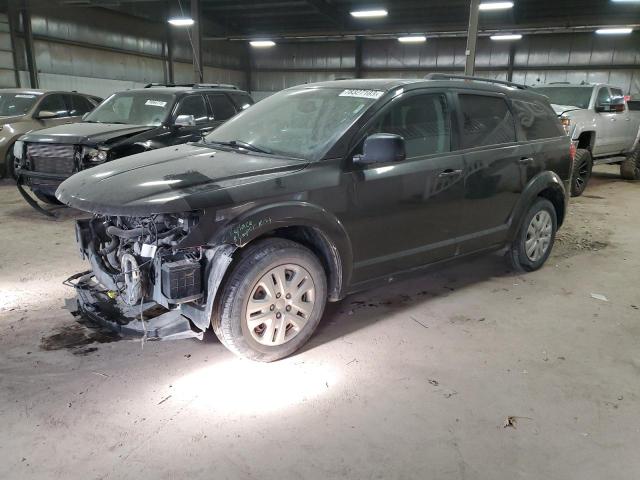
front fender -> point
(261, 220)
(543, 181)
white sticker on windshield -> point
(375, 94)
(155, 103)
(21, 95)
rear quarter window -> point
(536, 119)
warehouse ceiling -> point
(253, 18)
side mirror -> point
(382, 148)
(45, 114)
(185, 121)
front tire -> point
(10, 164)
(272, 301)
(630, 168)
(537, 233)
(582, 167)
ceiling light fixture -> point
(262, 43)
(614, 31)
(413, 39)
(181, 21)
(509, 36)
(496, 5)
(381, 12)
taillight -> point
(572, 151)
(566, 124)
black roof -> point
(453, 81)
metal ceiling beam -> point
(327, 11)
(390, 33)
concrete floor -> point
(417, 380)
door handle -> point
(526, 160)
(449, 173)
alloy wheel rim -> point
(280, 304)
(538, 236)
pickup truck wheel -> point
(630, 168)
(582, 166)
(535, 239)
(271, 301)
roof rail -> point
(446, 76)
(192, 85)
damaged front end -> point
(144, 280)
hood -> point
(561, 109)
(11, 119)
(86, 133)
(169, 180)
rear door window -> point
(54, 103)
(536, 119)
(79, 105)
(221, 105)
(617, 100)
(241, 99)
(486, 120)
(194, 105)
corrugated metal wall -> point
(105, 52)
(537, 59)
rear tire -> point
(630, 168)
(271, 301)
(537, 233)
(46, 198)
(582, 167)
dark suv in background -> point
(126, 123)
(316, 192)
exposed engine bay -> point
(142, 280)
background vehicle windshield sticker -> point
(155, 103)
(22, 95)
(375, 94)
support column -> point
(28, 45)
(472, 38)
(248, 66)
(358, 57)
(168, 44)
(512, 56)
(13, 19)
(198, 69)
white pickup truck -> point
(601, 125)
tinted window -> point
(485, 121)
(536, 119)
(423, 122)
(79, 105)
(194, 105)
(242, 100)
(221, 106)
(54, 103)
(603, 96)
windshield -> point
(133, 108)
(302, 123)
(573, 96)
(16, 103)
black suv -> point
(127, 122)
(311, 194)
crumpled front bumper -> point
(94, 303)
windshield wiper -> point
(241, 144)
